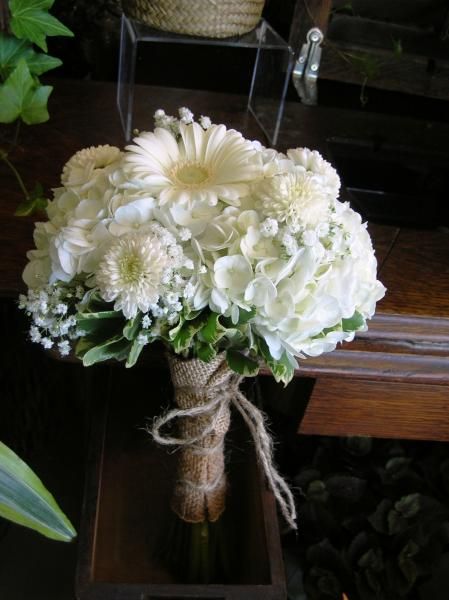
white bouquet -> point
(194, 227)
(231, 254)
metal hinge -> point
(305, 72)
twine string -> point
(218, 397)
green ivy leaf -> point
(34, 109)
(14, 91)
(31, 206)
(242, 364)
(13, 50)
(25, 500)
(30, 20)
(21, 96)
(36, 202)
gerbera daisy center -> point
(191, 174)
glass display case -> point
(273, 61)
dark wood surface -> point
(126, 513)
(377, 408)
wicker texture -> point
(205, 18)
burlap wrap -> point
(200, 490)
(203, 394)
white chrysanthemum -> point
(312, 161)
(203, 166)
(131, 273)
(296, 199)
(140, 268)
(82, 170)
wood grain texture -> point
(417, 275)
(379, 409)
(404, 73)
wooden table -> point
(393, 380)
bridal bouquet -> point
(231, 254)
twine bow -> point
(211, 416)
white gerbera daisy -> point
(297, 199)
(138, 269)
(200, 166)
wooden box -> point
(126, 509)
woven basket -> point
(206, 18)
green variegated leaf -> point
(117, 347)
(132, 327)
(282, 369)
(134, 354)
(242, 364)
(175, 331)
(95, 316)
(213, 330)
(206, 352)
(246, 315)
(193, 314)
(102, 325)
(184, 337)
(25, 500)
(94, 303)
(83, 345)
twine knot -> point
(203, 394)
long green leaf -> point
(117, 347)
(25, 500)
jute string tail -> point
(203, 440)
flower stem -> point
(4, 157)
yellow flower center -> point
(130, 268)
(191, 174)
